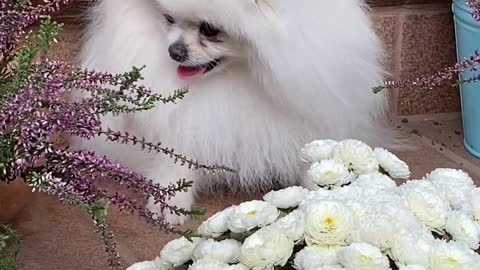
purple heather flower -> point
(33, 108)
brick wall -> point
(419, 39)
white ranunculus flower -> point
(157, 264)
(146, 265)
(475, 204)
(412, 267)
(317, 151)
(453, 256)
(348, 192)
(266, 248)
(463, 229)
(292, 225)
(455, 184)
(286, 198)
(315, 257)
(357, 156)
(208, 264)
(216, 225)
(332, 267)
(394, 166)
(375, 197)
(226, 251)
(251, 214)
(328, 223)
(412, 185)
(320, 193)
(412, 248)
(237, 266)
(454, 175)
(358, 207)
(430, 208)
(375, 180)
(363, 256)
(376, 229)
(329, 172)
(401, 215)
(179, 251)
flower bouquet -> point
(358, 219)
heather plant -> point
(34, 106)
(448, 74)
(8, 253)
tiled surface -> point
(443, 132)
(61, 237)
(428, 45)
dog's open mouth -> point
(190, 72)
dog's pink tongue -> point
(184, 72)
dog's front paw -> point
(182, 200)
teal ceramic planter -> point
(467, 32)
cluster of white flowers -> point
(357, 219)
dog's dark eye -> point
(169, 19)
(208, 30)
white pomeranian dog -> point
(264, 77)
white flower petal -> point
(208, 264)
(252, 214)
(317, 151)
(463, 229)
(329, 172)
(411, 248)
(363, 256)
(216, 225)
(456, 185)
(226, 251)
(412, 267)
(357, 156)
(428, 205)
(286, 198)
(453, 256)
(328, 223)
(266, 248)
(315, 257)
(179, 251)
(394, 166)
(292, 225)
(375, 180)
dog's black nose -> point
(178, 52)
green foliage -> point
(10, 242)
(15, 69)
(6, 155)
(20, 4)
(98, 210)
(48, 33)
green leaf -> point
(48, 33)
(6, 156)
(98, 210)
(10, 242)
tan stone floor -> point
(60, 237)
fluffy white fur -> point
(307, 74)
